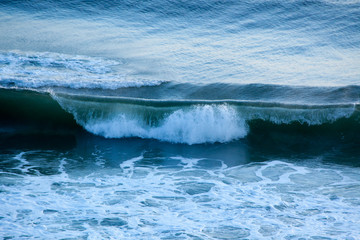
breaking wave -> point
(199, 124)
(176, 121)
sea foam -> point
(199, 124)
(46, 69)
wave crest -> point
(191, 122)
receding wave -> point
(178, 121)
(46, 69)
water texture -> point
(179, 119)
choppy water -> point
(170, 197)
(179, 119)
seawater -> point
(173, 197)
(179, 119)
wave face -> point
(190, 121)
(176, 121)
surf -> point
(175, 121)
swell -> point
(175, 93)
(113, 77)
(179, 121)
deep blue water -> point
(180, 119)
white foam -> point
(166, 203)
(62, 167)
(35, 70)
(128, 165)
(199, 124)
(188, 162)
(24, 164)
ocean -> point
(177, 119)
